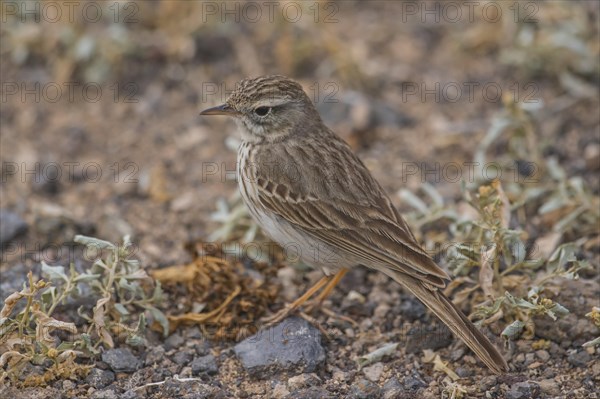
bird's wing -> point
(347, 209)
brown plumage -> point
(306, 189)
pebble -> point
(11, 226)
(549, 387)
(579, 359)
(205, 364)
(310, 393)
(373, 372)
(303, 381)
(413, 383)
(174, 341)
(488, 382)
(121, 360)
(98, 378)
(365, 389)
(105, 394)
(292, 344)
(154, 356)
(392, 389)
(464, 372)
(280, 391)
(543, 355)
(183, 356)
(524, 390)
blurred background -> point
(100, 101)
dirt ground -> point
(413, 87)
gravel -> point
(121, 360)
(205, 364)
(100, 378)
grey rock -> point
(11, 226)
(414, 383)
(549, 387)
(430, 337)
(100, 378)
(464, 372)
(154, 356)
(293, 344)
(365, 389)
(373, 372)
(543, 355)
(105, 394)
(522, 390)
(392, 388)
(579, 359)
(205, 364)
(183, 356)
(121, 360)
(174, 341)
(131, 394)
(310, 393)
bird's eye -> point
(262, 111)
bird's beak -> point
(223, 109)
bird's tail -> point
(443, 308)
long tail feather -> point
(448, 313)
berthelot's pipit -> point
(306, 189)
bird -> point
(306, 189)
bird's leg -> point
(318, 301)
(285, 312)
(330, 286)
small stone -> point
(100, 378)
(292, 344)
(105, 394)
(303, 381)
(596, 369)
(413, 383)
(339, 376)
(522, 390)
(280, 391)
(205, 364)
(512, 394)
(183, 357)
(120, 360)
(529, 358)
(579, 359)
(365, 389)
(174, 341)
(543, 355)
(67, 385)
(464, 372)
(392, 389)
(535, 365)
(154, 356)
(549, 387)
(520, 358)
(457, 354)
(488, 382)
(11, 226)
(373, 373)
(310, 393)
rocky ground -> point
(153, 169)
